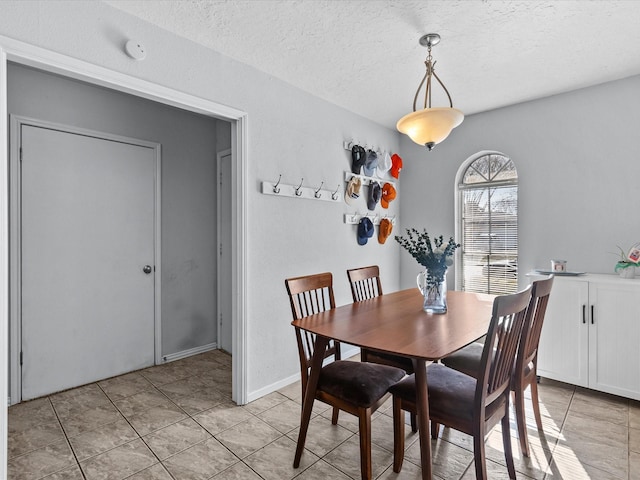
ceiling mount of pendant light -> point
(430, 125)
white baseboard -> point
(348, 352)
(172, 357)
(272, 388)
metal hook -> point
(298, 191)
(317, 193)
(276, 189)
(334, 195)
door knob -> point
(147, 269)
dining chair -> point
(472, 406)
(357, 388)
(365, 284)
(525, 372)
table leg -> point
(319, 349)
(422, 404)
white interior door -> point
(87, 232)
(225, 322)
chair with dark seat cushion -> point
(464, 403)
(357, 388)
(365, 284)
(468, 359)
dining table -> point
(396, 323)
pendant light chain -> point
(430, 72)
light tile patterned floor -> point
(177, 421)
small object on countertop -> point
(558, 265)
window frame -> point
(459, 189)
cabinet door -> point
(563, 352)
(614, 337)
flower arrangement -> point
(630, 259)
(435, 257)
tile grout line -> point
(66, 437)
(156, 388)
(137, 433)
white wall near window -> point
(578, 168)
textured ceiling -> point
(364, 55)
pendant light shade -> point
(431, 125)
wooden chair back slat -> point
(540, 292)
(365, 283)
(309, 295)
(499, 353)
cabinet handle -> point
(592, 320)
(584, 314)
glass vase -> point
(434, 290)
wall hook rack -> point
(367, 180)
(354, 218)
(300, 191)
(367, 146)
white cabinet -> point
(564, 343)
(591, 334)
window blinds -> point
(489, 220)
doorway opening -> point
(27, 55)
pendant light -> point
(431, 125)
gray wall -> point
(289, 132)
(188, 186)
(578, 169)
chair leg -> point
(398, 435)
(334, 415)
(365, 444)
(414, 424)
(479, 455)
(435, 429)
(536, 404)
(309, 396)
(506, 440)
(521, 420)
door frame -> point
(43, 59)
(219, 156)
(15, 229)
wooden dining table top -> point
(396, 323)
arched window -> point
(487, 224)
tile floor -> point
(177, 421)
